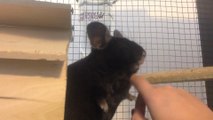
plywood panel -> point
(32, 89)
(34, 13)
(34, 37)
(11, 69)
(33, 43)
(31, 99)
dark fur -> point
(103, 74)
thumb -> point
(139, 112)
(137, 115)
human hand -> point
(167, 103)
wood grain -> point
(33, 43)
(34, 30)
(32, 99)
(35, 13)
(33, 59)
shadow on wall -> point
(41, 68)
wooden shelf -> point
(34, 39)
(32, 99)
(35, 14)
(34, 30)
(33, 44)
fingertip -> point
(139, 82)
(140, 104)
(136, 79)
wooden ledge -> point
(33, 44)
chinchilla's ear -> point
(98, 34)
(117, 34)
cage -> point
(175, 33)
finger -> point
(143, 86)
(140, 105)
(139, 112)
(137, 115)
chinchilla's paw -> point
(131, 97)
(103, 105)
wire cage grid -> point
(167, 29)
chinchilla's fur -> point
(98, 83)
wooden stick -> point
(195, 74)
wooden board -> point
(32, 99)
(35, 14)
(34, 30)
(33, 59)
(11, 69)
(33, 43)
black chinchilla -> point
(98, 83)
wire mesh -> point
(167, 29)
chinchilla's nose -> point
(142, 57)
(144, 54)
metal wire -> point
(167, 29)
